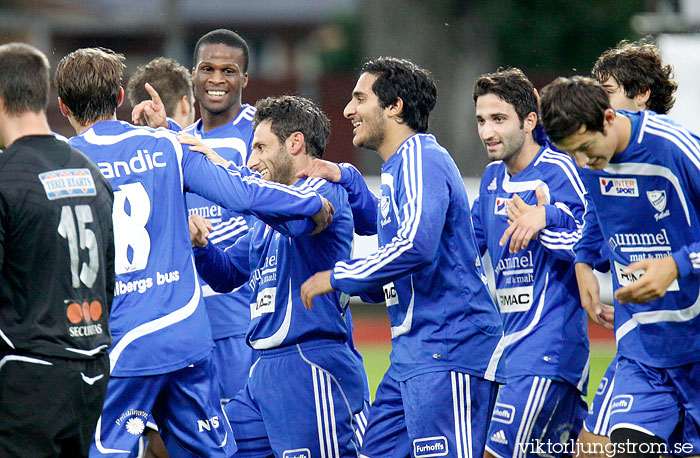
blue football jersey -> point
(157, 298)
(428, 264)
(544, 323)
(228, 312)
(276, 260)
(647, 201)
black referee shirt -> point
(56, 251)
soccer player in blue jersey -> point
(643, 175)
(439, 392)
(173, 83)
(220, 73)
(305, 395)
(528, 216)
(161, 358)
(635, 78)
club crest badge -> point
(657, 199)
(384, 206)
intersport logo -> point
(619, 187)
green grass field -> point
(377, 362)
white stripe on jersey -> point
(564, 162)
(304, 193)
(564, 237)
(226, 230)
(24, 359)
(405, 326)
(563, 207)
(6, 339)
(690, 146)
(633, 168)
(163, 322)
(658, 316)
(694, 259)
(229, 143)
(515, 187)
(92, 352)
(411, 153)
(278, 337)
(248, 112)
(510, 339)
(313, 183)
(137, 131)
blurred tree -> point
(548, 38)
(340, 45)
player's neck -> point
(28, 123)
(80, 128)
(394, 136)
(622, 126)
(518, 162)
(213, 120)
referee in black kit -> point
(56, 273)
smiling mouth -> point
(212, 93)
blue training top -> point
(428, 264)
(157, 300)
(647, 202)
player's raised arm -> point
(153, 111)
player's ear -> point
(121, 96)
(65, 111)
(244, 83)
(184, 105)
(608, 117)
(530, 122)
(295, 143)
(395, 109)
(642, 99)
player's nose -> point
(349, 110)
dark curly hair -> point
(288, 114)
(512, 86)
(402, 79)
(569, 103)
(225, 37)
(637, 66)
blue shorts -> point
(301, 401)
(535, 416)
(233, 358)
(598, 418)
(185, 404)
(658, 402)
(433, 414)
